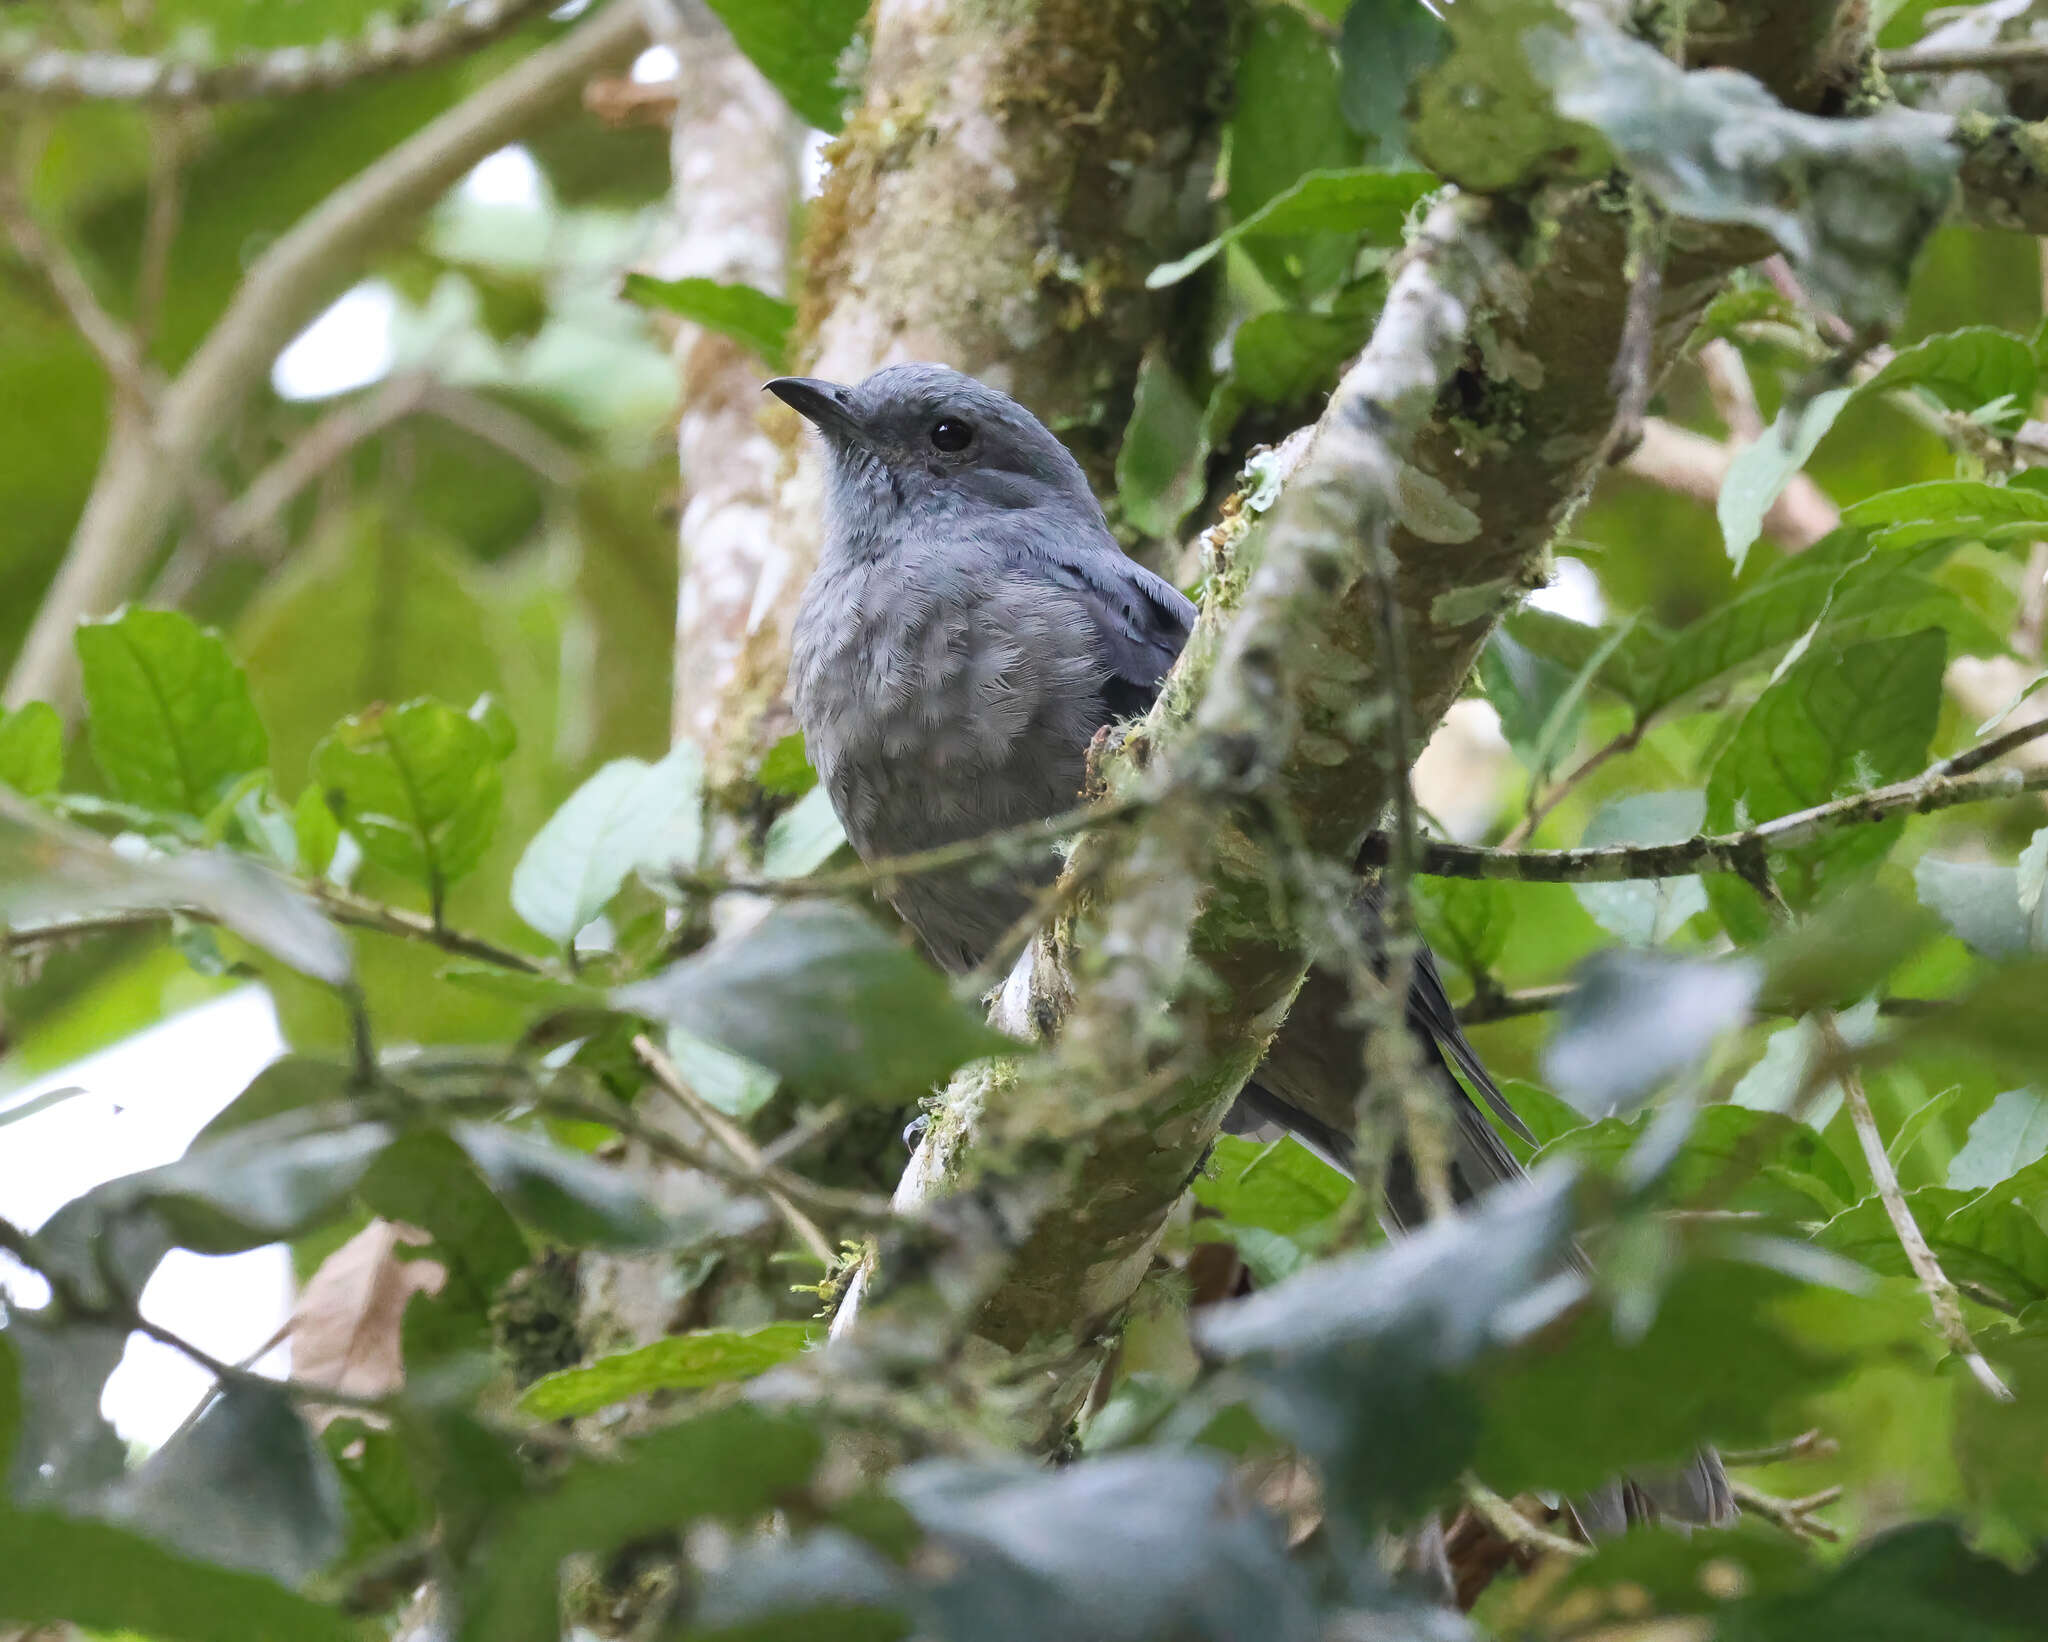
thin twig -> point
(1524, 829)
(1942, 1298)
(828, 1201)
(1501, 1516)
(1814, 1444)
(118, 351)
(2004, 56)
(1721, 852)
(1007, 845)
(122, 1310)
(1972, 759)
(736, 1143)
(1629, 379)
(342, 429)
(160, 226)
(99, 76)
(1795, 1516)
(343, 906)
(1733, 393)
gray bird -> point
(971, 625)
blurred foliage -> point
(404, 759)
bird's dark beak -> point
(821, 403)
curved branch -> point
(103, 76)
(289, 284)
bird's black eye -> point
(950, 434)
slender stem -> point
(737, 1145)
(1723, 852)
(1624, 742)
(1010, 844)
(343, 906)
(2002, 57)
(1813, 1444)
(1501, 1516)
(1942, 1297)
(1795, 1516)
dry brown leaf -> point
(346, 1329)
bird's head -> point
(917, 442)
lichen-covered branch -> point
(1935, 789)
(105, 76)
(2003, 182)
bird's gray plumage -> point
(972, 623)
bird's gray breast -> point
(937, 707)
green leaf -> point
(1998, 1447)
(1384, 48)
(262, 1183)
(1285, 123)
(417, 785)
(172, 723)
(1279, 1186)
(754, 318)
(1968, 505)
(681, 1362)
(1845, 951)
(31, 749)
(1849, 200)
(1966, 370)
(786, 770)
(1482, 118)
(738, 1087)
(1634, 1020)
(1980, 903)
(291, 1083)
(68, 1569)
(2011, 1133)
(797, 44)
(1647, 912)
(1361, 1360)
(1285, 356)
(1917, 1581)
(64, 1452)
(1370, 205)
(1721, 1359)
(568, 1196)
(822, 995)
(1982, 1242)
(383, 1502)
(315, 832)
(732, 1464)
(803, 837)
(612, 823)
(1467, 920)
(245, 1485)
(1161, 465)
(426, 1180)
(1762, 469)
(50, 873)
(1740, 1154)
(1999, 1019)
(1833, 724)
